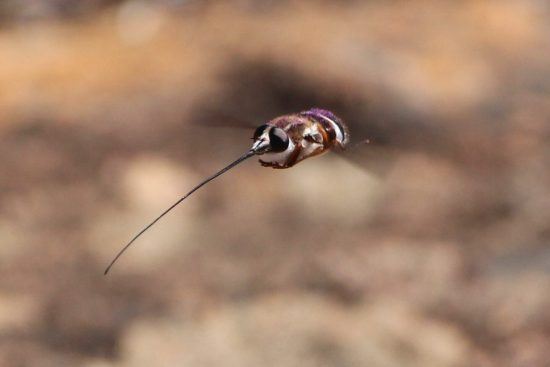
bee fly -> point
(281, 143)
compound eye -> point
(259, 131)
(278, 140)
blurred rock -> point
(292, 330)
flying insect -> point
(281, 143)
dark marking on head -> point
(259, 131)
(278, 140)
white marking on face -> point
(259, 144)
(280, 157)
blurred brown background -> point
(436, 255)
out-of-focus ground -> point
(438, 255)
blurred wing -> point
(222, 119)
(370, 155)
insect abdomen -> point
(336, 130)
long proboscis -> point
(247, 155)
